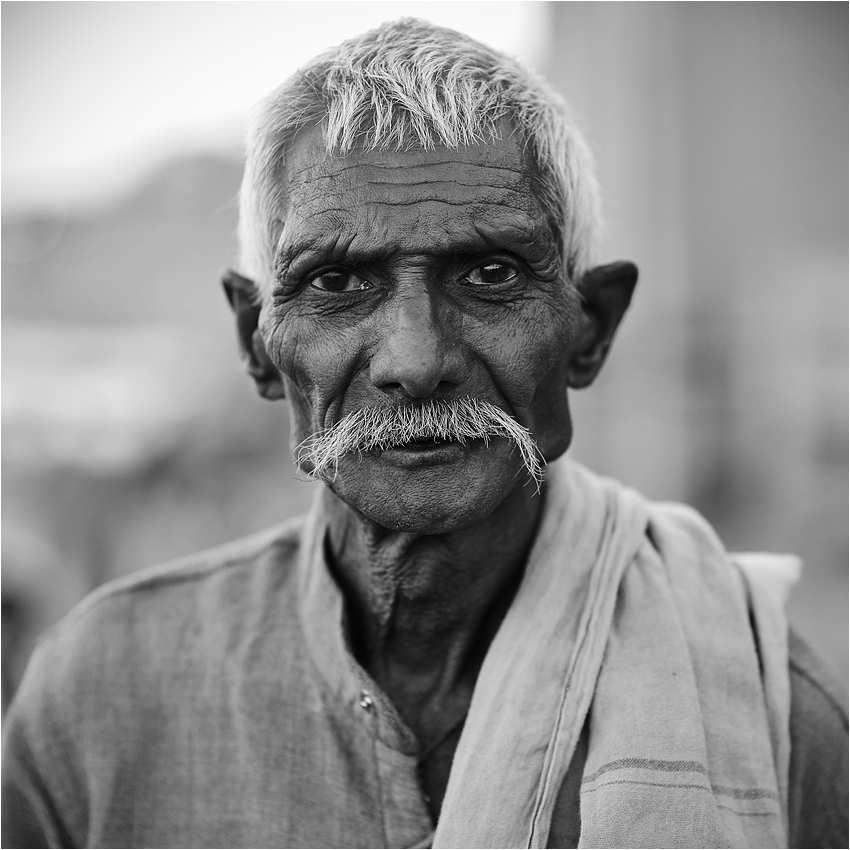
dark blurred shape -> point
(39, 586)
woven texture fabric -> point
(215, 702)
(688, 741)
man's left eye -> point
(338, 280)
(491, 273)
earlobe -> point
(606, 292)
(244, 300)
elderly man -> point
(468, 642)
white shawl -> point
(633, 618)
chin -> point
(426, 520)
(426, 501)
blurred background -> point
(130, 434)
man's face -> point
(414, 275)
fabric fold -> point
(633, 619)
(537, 681)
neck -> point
(423, 609)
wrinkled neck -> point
(423, 608)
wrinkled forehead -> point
(441, 186)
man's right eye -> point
(338, 280)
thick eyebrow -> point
(329, 248)
(520, 235)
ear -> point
(244, 299)
(605, 292)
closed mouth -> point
(425, 443)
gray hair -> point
(408, 84)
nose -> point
(418, 353)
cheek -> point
(301, 424)
(549, 409)
(528, 356)
(554, 334)
(317, 362)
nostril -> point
(404, 392)
(413, 386)
(413, 363)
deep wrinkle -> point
(517, 238)
(409, 608)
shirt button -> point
(365, 701)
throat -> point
(422, 611)
(421, 626)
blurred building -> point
(721, 135)
(131, 435)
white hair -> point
(410, 83)
(380, 428)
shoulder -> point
(818, 783)
(197, 569)
(116, 667)
(191, 586)
(134, 633)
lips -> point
(426, 443)
(426, 451)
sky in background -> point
(94, 94)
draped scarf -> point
(633, 619)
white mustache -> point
(380, 428)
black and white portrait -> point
(424, 424)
